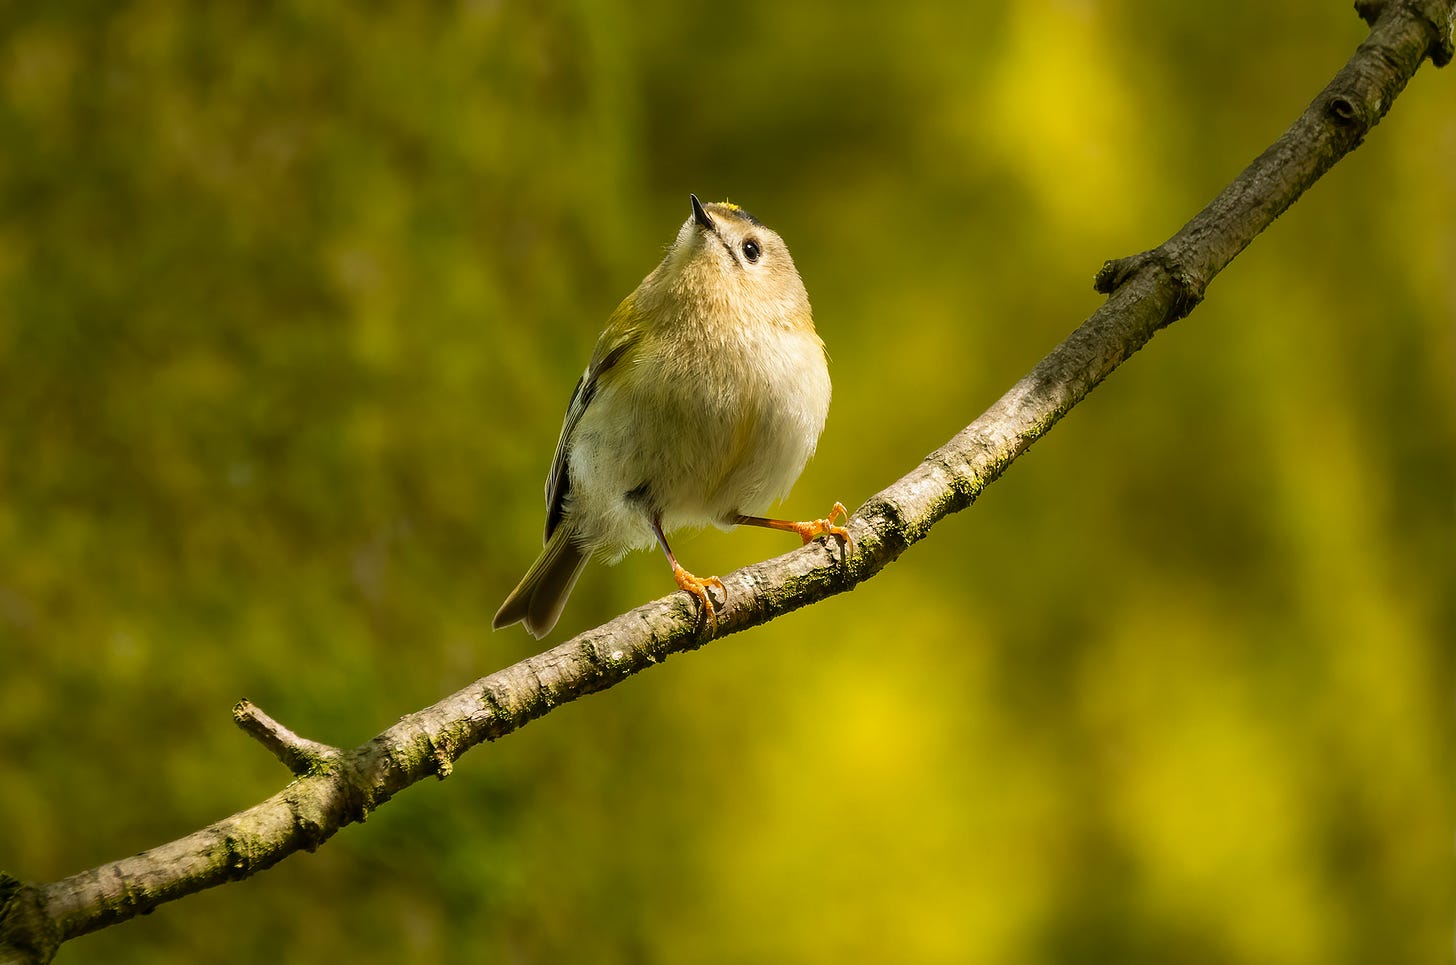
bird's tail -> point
(541, 595)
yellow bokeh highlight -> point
(1065, 120)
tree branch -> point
(1147, 291)
(299, 754)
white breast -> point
(720, 430)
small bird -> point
(703, 400)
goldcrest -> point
(703, 400)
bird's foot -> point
(699, 588)
(815, 528)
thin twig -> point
(299, 754)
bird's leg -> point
(686, 581)
(809, 530)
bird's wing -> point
(617, 340)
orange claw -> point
(699, 588)
(826, 527)
(810, 530)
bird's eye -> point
(751, 250)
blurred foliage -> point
(292, 296)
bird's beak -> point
(701, 216)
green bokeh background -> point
(292, 297)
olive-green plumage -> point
(703, 400)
